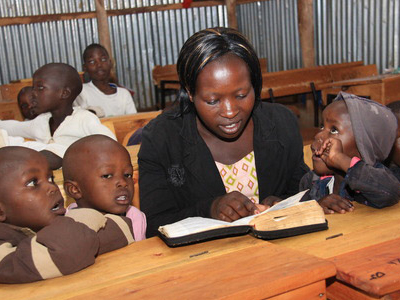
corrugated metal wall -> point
(345, 30)
(139, 41)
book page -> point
(191, 225)
(288, 202)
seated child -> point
(99, 95)
(348, 152)
(25, 103)
(393, 160)
(55, 87)
(36, 241)
(98, 174)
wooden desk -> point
(370, 273)
(355, 231)
(363, 227)
(235, 268)
(381, 88)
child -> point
(102, 179)
(394, 158)
(101, 96)
(55, 87)
(348, 152)
(25, 103)
(36, 241)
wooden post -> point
(231, 10)
(104, 34)
(305, 13)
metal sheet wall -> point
(139, 41)
(345, 30)
(351, 30)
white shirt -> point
(120, 103)
(79, 124)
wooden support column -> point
(104, 34)
(231, 10)
(305, 13)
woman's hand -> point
(334, 203)
(270, 201)
(233, 206)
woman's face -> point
(224, 97)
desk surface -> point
(363, 227)
(214, 270)
(359, 81)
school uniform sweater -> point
(178, 175)
(67, 245)
(120, 103)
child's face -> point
(98, 64)
(336, 124)
(224, 97)
(47, 91)
(106, 182)
(29, 197)
(25, 103)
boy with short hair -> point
(99, 95)
(36, 241)
(55, 87)
(25, 103)
(348, 154)
(102, 180)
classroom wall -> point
(345, 30)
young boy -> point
(55, 87)
(348, 152)
(101, 96)
(102, 179)
(36, 241)
(394, 158)
(25, 103)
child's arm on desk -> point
(66, 246)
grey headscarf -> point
(374, 127)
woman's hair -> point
(90, 47)
(206, 46)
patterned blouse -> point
(241, 176)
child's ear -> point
(66, 93)
(72, 189)
(190, 96)
(2, 213)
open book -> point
(287, 218)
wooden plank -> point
(374, 269)
(231, 12)
(127, 123)
(9, 110)
(365, 226)
(340, 291)
(149, 268)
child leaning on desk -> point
(25, 103)
(55, 87)
(36, 241)
(98, 174)
(348, 153)
(104, 98)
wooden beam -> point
(104, 35)
(111, 13)
(231, 11)
(306, 31)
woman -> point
(222, 151)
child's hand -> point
(270, 201)
(334, 203)
(332, 154)
(232, 206)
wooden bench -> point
(125, 125)
(300, 81)
(9, 110)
